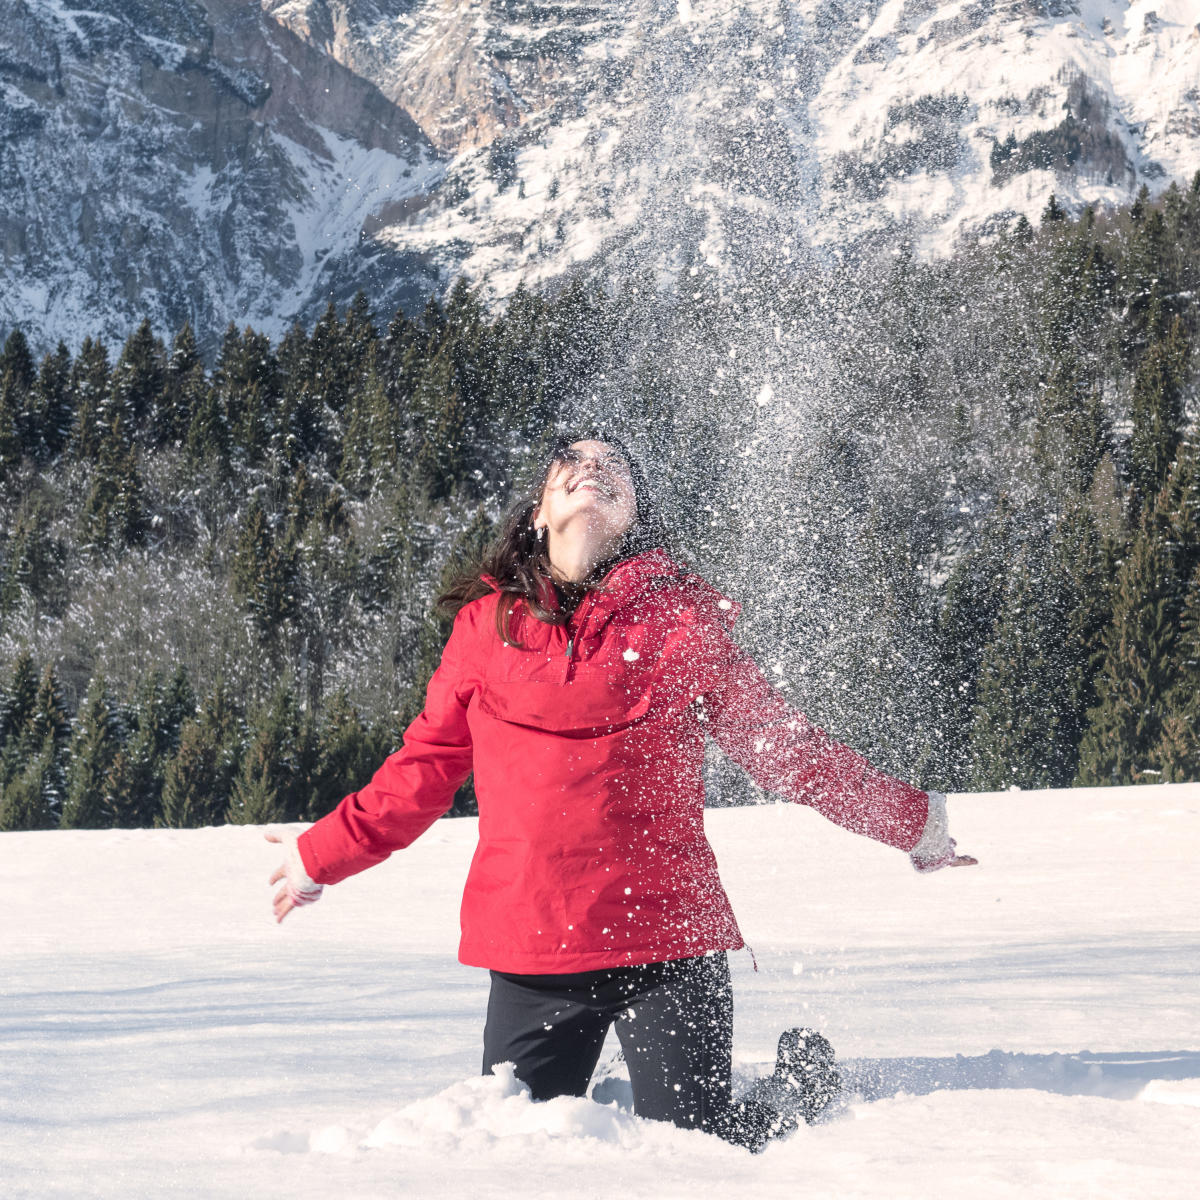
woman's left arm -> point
(785, 753)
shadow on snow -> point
(1114, 1076)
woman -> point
(584, 672)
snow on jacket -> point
(587, 743)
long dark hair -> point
(518, 561)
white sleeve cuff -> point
(936, 847)
(302, 888)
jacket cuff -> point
(301, 886)
(308, 861)
(936, 847)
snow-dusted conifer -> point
(263, 573)
(1157, 411)
(184, 388)
(971, 604)
(347, 755)
(32, 798)
(11, 442)
(199, 775)
(1179, 749)
(94, 748)
(137, 382)
(272, 784)
(1121, 742)
(1023, 730)
(18, 699)
(54, 403)
(114, 514)
(89, 386)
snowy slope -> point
(1024, 1028)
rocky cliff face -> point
(666, 134)
(189, 160)
(226, 160)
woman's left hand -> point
(950, 859)
(298, 888)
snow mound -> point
(489, 1111)
(1172, 1091)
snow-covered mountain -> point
(180, 159)
(221, 160)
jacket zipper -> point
(578, 619)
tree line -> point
(975, 482)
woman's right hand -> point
(298, 889)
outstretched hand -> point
(282, 900)
(949, 858)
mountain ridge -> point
(254, 160)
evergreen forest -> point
(959, 501)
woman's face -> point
(588, 492)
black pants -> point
(674, 1021)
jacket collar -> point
(630, 580)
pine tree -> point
(271, 784)
(114, 515)
(1082, 556)
(32, 799)
(88, 389)
(17, 358)
(137, 383)
(246, 382)
(55, 403)
(441, 427)
(1072, 434)
(199, 775)
(185, 388)
(11, 442)
(318, 384)
(1074, 303)
(208, 435)
(367, 445)
(348, 754)
(20, 415)
(359, 335)
(1023, 731)
(1054, 212)
(18, 700)
(255, 799)
(37, 561)
(1157, 413)
(135, 799)
(98, 739)
(1179, 748)
(263, 574)
(1144, 280)
(179, 704)
(326, 562)
(48, 719)
(971, 604)
(1125, 727)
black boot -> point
(752, 1124)
(805, 1071)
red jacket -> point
(587, 744)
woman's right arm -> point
(413, 787)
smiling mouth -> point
(592, 484)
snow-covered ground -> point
(1027, 1027)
